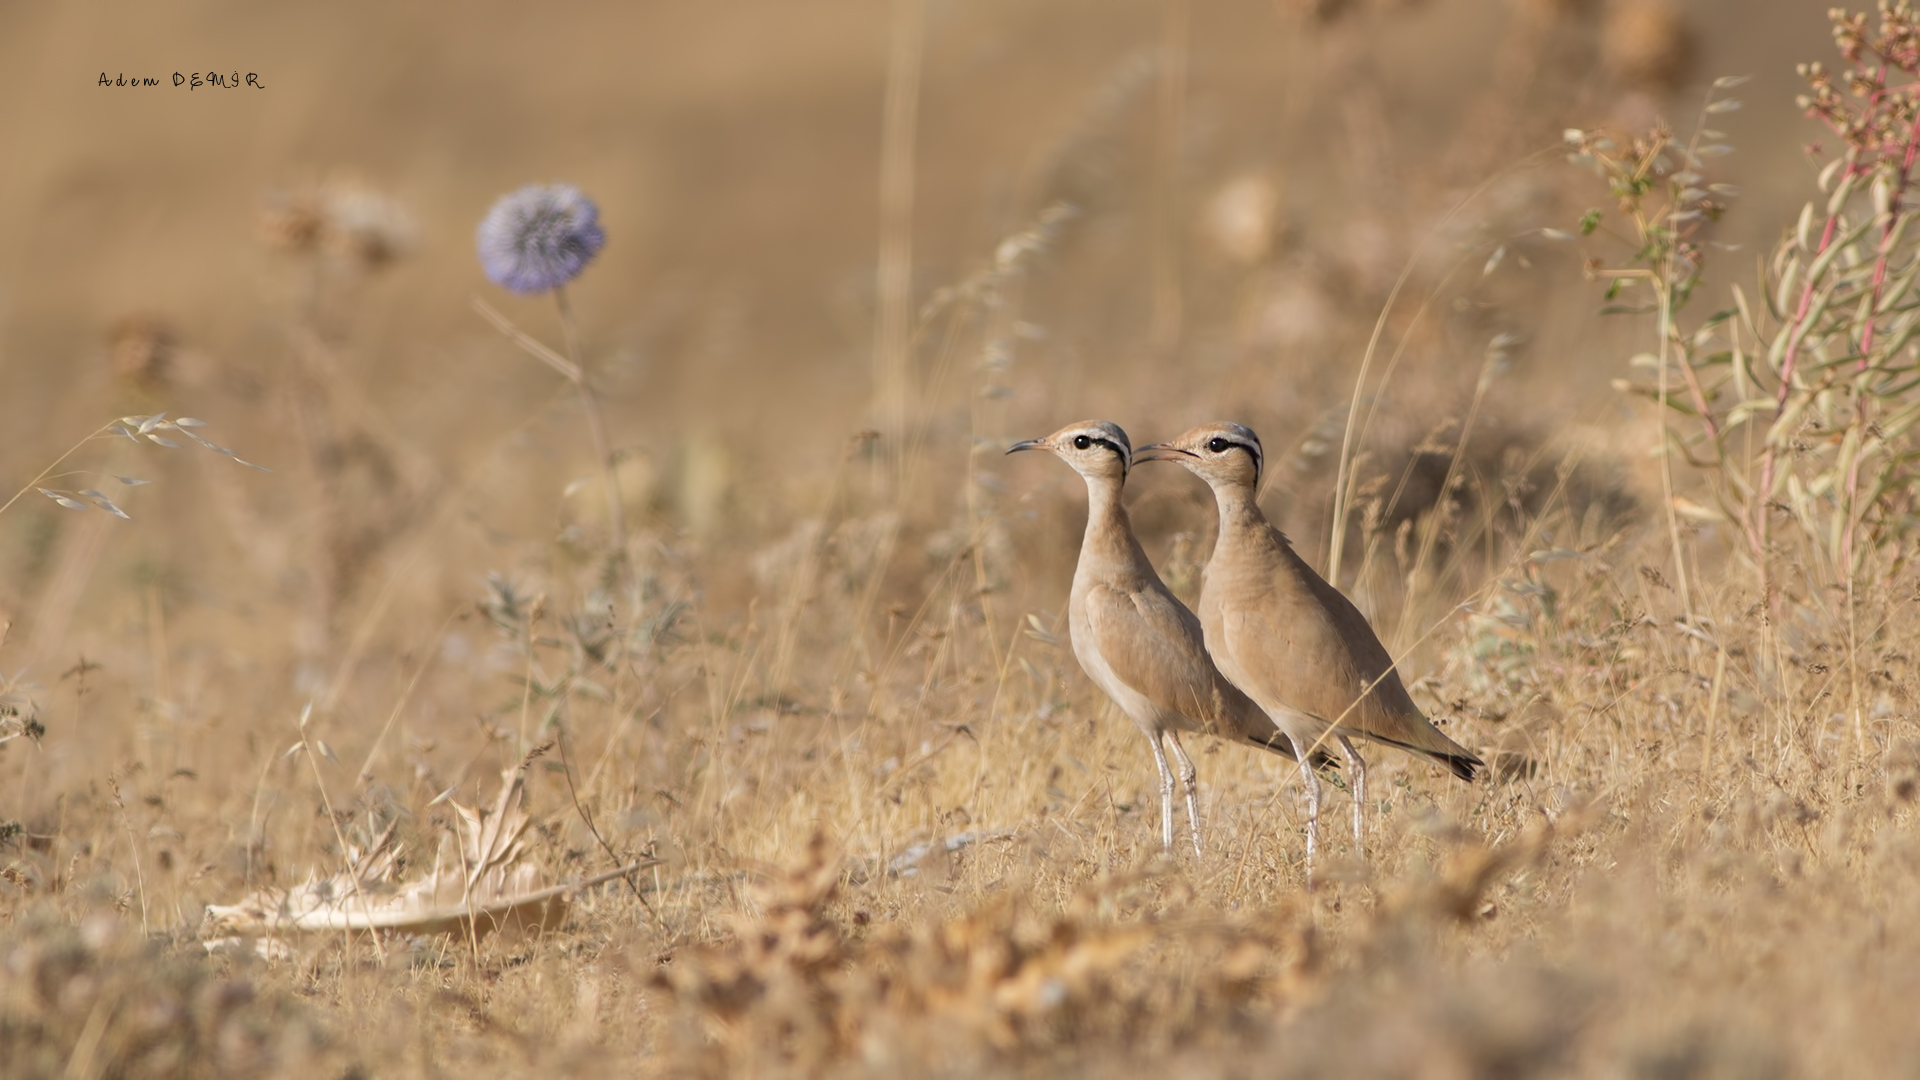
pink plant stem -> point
(1901, 178)
(1796, 329)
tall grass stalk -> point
(1169, 151)
(1352, 436)
(893, 312)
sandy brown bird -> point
(1135, 639)
(1288, 639)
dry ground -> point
(825, 657)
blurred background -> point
(1219, 195)
(854, 248)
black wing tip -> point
(1464, 764)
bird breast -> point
(1141, 709)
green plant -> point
(1662, 202)
(1802, 403)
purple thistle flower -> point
(540, 237)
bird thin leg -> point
(1357, 770)
(1166, 793)
(1188, 775)
(1312, 782)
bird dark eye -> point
(1081, 442)
(1218, 446)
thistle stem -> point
(596, 426)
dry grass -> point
(892, 829)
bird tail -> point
(1463, 762)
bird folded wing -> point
(1327, 663)
(1154, 646)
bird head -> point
(1097, 449)
(1223, 454)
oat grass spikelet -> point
(540, 237)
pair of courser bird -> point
(1277, 657)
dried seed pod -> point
(1647, 45)
(141, 349)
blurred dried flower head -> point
(1326, 11)
(290, 222)
(1369, 252)
(342, 217)
(1647, 44)
(366, 225)
(1295, 312)
(1902, 766)
(1313, 10)
(1241, 216)
(141, 349)
(1318, 10)
(540, 237)
(1553, 9)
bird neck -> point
(1107, 521)
(1239, 510)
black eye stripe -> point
(1096, 440)
(1252, 449)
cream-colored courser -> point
(1135, 639)
(1291, 641)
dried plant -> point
(792, 987)
(1664, 201)
(19, 711)
(1004, 975)
(96, 1000)
(366, 481)
(341, 218)
(1647, 44)
(483, 880)
(139, 430)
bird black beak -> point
(1027, 444)
(1161, 452)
